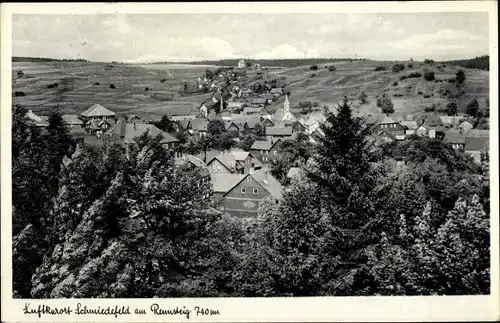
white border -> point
(463, 308)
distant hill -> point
(44, 59)
(480, 62)
(268, 62)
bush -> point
(19, 93)
(414, 75)
(429, 75)
(112, 86)
(313, 67)
(451, 109)
(313, 75)
(96, 83)
(380, 68)
(315, 104)
(398, 68)
(146, 89)
(430, 109)
(395, 84)
(427, 96)
(162, 80)
(410, 65)
(20, 74)
(397, 95)
(429, 61)
(419, 93)
(332, 68)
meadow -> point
(81, 84)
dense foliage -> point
(480, 62)
(409, 218)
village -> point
(241, 176)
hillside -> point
(80, 84)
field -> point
(81, 84)
(78, 87)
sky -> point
(143, 38)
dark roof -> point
(259, 101)
(433, 120)
(477, 143)
(126, 132)
(452, 137)
(251, 122)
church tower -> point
(286, 105)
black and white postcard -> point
(176, 162)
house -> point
(450, 121)
(246, 193)
(234, 106)
(455, 139)
(36, 120)
(278, 91)
(246, 160)
(268, 97)
(267, 122)
(466, 126)
(225, 115)
(241, 64)
(72, 121)
(232, 126)
(97, 111)
(259, 103)
(133, 118)
(246, 93)
(191, 161)
(250, 123)
(317, 135)
(284, 113)
(224, 163)
(410, 126)
(476, 146)
(97, 127)
(278, 132)
(204, 110)
(478, 133)
(390, 125)
(252, 110)
(265, 150)
(125, 132)
(199, 127)
(184, 124)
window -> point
(248, 179)
(262, 152)
(243, 190)
(218, 168)
(256, 191)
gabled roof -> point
(271, 184)
(190, 159)
(279, 131)
(478, 133)
(279, 113)
(388, 120)
(410, 125)
(126, 132)
(452, 137)
(184, 123)
(97, 110)
(433, 120)
(262, 145)
(229, 123)
(72, 119)
(227, 160)
(33, 117)
(240, 155)
(251, 122)
(477, 143)
(223, 183)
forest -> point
(480, 62)
(284, 62)
(45, 59)
(410, 218)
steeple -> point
(286, 105)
